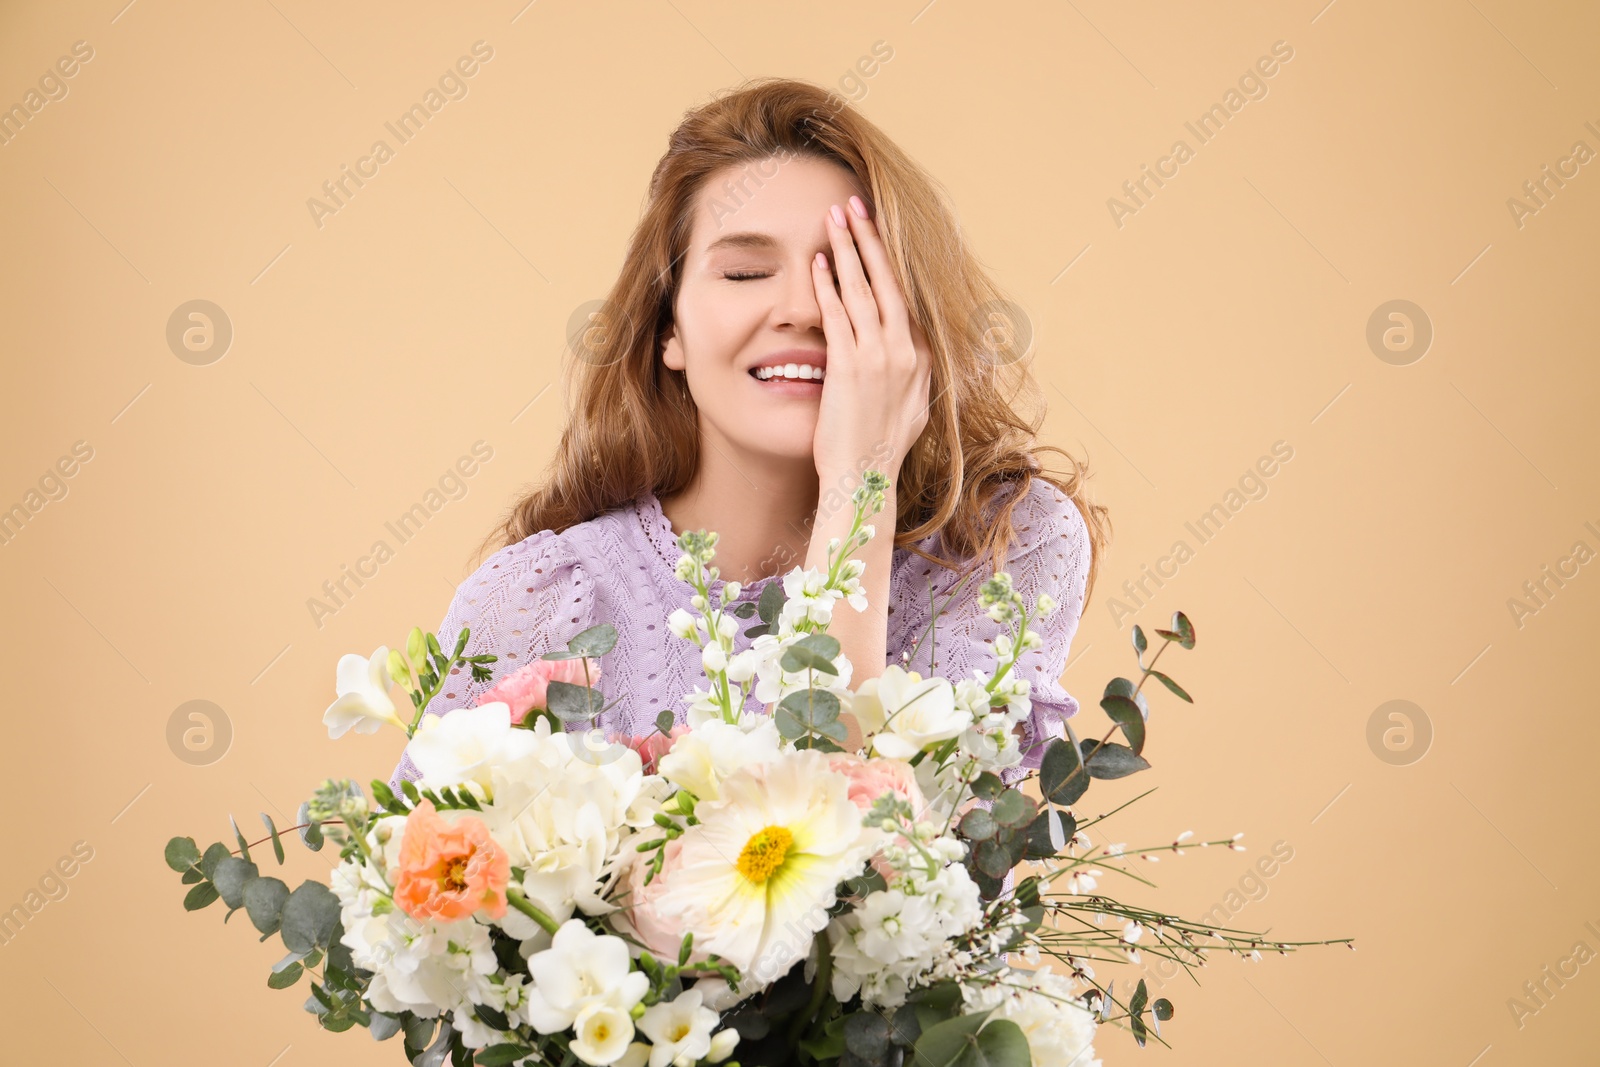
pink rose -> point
(872, 778)
(525, 689)
(651, 747)
(638, 916)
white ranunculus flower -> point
(564, 819)
(363, 703)
(702, 758)
(918, 712)
(467, 744)
(680, 1032)
(578, 970)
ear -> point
(672, 350)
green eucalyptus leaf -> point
(200, 896)
(665, 722)
(383, 1026)
(574, 703)
(1162, 1009)
(594, 642)
(182, 853)
(285, 978)
(277, 843)
(1125, 713)
(1060, 780)
(1177, 689)
(500, 1055)
(987, 786)
(232, 875)
(978, 825)
(1139, 643)
(1040, 839)
(244, 846)
(992, 858)
(214, 855)
(263, 902)
(1013, 810)
(310, 832)
(1112, 760)
(310, 915)
(770, 606)
(866, 1036)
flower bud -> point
(399, 673)
(417, 648)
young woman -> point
(797, 306)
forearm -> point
(863, 636)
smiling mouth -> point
(790, 373)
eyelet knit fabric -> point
(532, 597)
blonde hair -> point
(634, 425)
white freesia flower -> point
(601, 1033)
(467, 744)
(363, 703)
(680, 1032)
(578, 970)
(918, 712)
(723, 1042)
(702, 758)
(755, 876)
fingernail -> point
(822, 261)
(838, 215)
(858, 207)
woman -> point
(796, 307)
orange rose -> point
(450, 871)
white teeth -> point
(802, 372)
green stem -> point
(819, 988)
(515, 898)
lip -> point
(811, 356)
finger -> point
(880, 273)
(854, 288)
(836, 325)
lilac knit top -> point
(533, 596)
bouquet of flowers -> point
(827, 883)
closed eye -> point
(744, 276)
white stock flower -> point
(467, 744)
(713, 658)
(581, 969)
(680, 1032)
(1060, 1031)
(363, 702)
(918, 712)
(809, 598)
(681, 623)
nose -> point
(797, 305)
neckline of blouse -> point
(658, 531)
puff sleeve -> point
(1050, 554)
(527, 599)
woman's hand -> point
(875, 391)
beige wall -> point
(1228, 312)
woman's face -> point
(747, 299)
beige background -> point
(1228, 313)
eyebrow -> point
(743, 239)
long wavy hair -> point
(634, 428)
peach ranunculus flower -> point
(450, 871)
(872, 778)
(526, 688)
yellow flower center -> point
(764, 853)
(455, 875)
